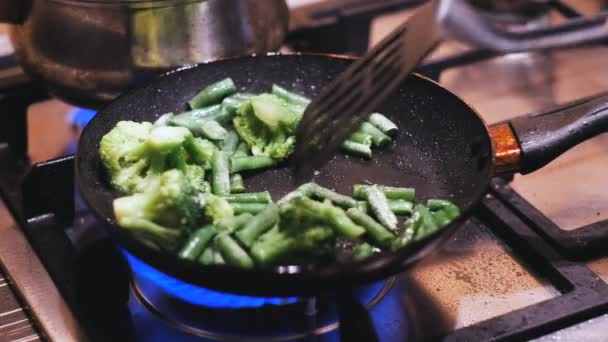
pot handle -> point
(528, 143)
(355, 321)
(480, 30)
(13, 11)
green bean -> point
(237, 185)
(207, 257)
(197, 243)
(379, 206)
(406, 236)
(211, 129)
(249, 197)
(233, 254)
(452, 211)
(399, 207)
(323, 193)
(218, 259)
(356, 148)
(437, 204)
(239, 164)
(164, 119)
(327, 212)
(290, 96)
(220, 166)
(361, 138)
(193, 119)
(230, 143)
(259, 224)
(363, 251)
(271, 247)
(304, 190)
(242, 150)
(234, 223)
(213, 93)
(380, 235)
(393, 193)
(424, 224)
(383, 123)
(378, 138)
(441, 218)
(232, 102)
(251, 208)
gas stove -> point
(530, 264)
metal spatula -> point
(351, 98)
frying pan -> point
(443, 149)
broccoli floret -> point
(169, 207)
(217, 208)
(134, 154)
(267, 125)
(195, 175)
(201, 151)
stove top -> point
(529, 265)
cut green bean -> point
(380, 235)
(249, 197)
(271, 247)
(197, 243)
(211, 129)
(379, 206)
(218, 259)
(304, 190)
(220, 169)
(239, 164)
(290, 96)
(232, 102)
(437, 204)
(399, 207)
(242, 150)
(233, 254)
(237, 185)
(251, 208)
(441, 218)
(323, 212)
(213, 93)
(234, 223)
(259, 224)
(230, 143)
(207, 257)
(424, 224)
(378, 138)
(383, 123)
(357, 149)
(164, 119)
(363, 251)
(361, 138)
(193, 119)
(406, 236)
(323, 193)
(393, 193)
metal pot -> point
(90, 51)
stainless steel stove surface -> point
(512, 272)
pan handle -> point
(526, 144)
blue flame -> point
(198, 295)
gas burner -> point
(227, 317)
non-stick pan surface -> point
(443, 150)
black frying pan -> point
(444, 150)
